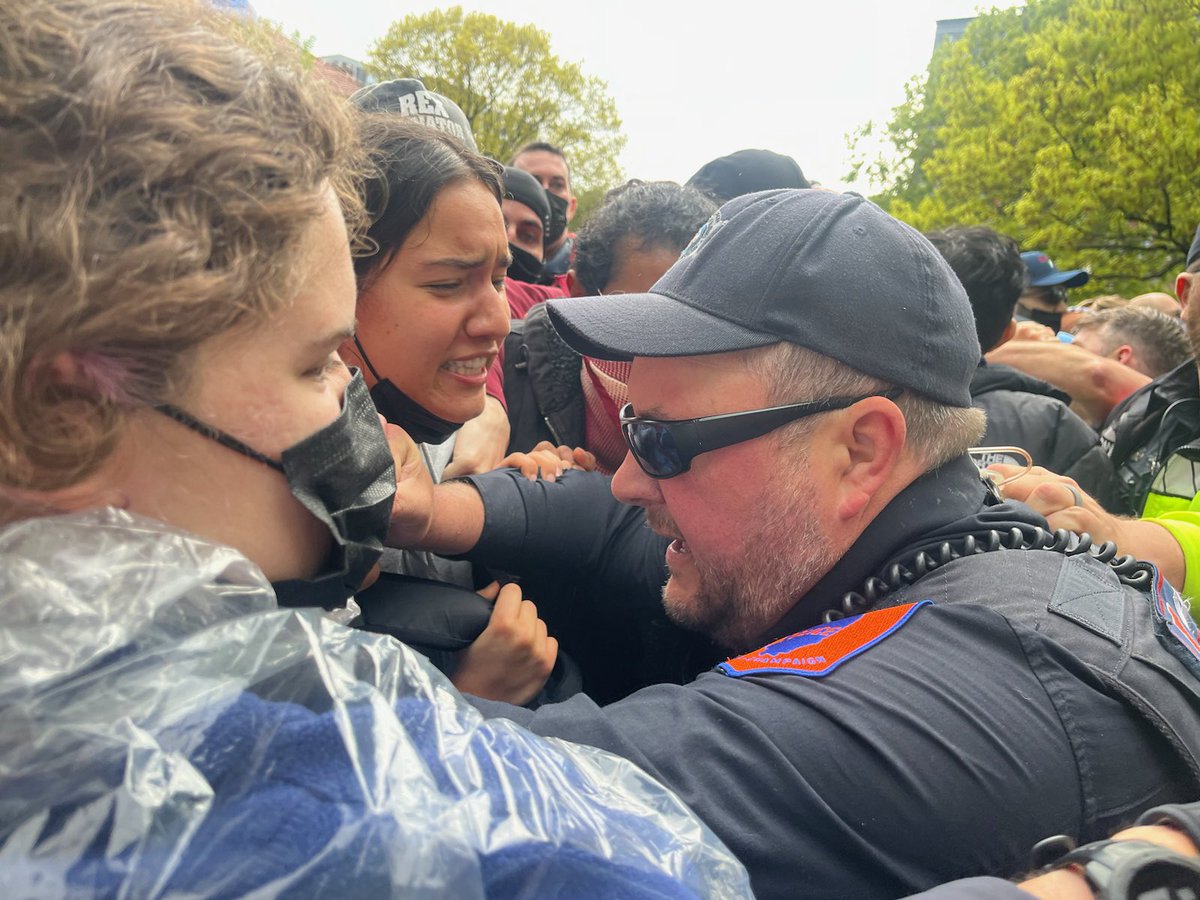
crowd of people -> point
(364, 530)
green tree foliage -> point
(512, 88)
(1070, 125)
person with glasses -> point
(921, 681)
(1022, 411)
(1044, 299)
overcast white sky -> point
(691, 86)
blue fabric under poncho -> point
(168, 730)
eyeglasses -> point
(1055, 294)
(666, 448)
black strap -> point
(366, 359)
(215, 434)
(1019, 537)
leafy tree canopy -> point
(512, 88)
(1070, 125)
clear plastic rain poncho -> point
(166, 729)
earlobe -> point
(574, 287)
(1123, 353)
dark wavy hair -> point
(651, 213)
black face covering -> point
(400, 409)
(1052, 320)
(344, 475)
(558, 218)
(525, 266)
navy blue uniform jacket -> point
(947, 749)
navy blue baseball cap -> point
(830, 272)
(1043, 272)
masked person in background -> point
(527, 219)
(556, 395)
(548, 164)
(176, 428)
(1044, 299)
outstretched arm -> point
(1065, 505)
(1096, 384)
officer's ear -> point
(1122, 355)
(574, 285)
(863, 453)
(1185, 286)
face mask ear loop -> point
(215, 434)
(983, 454)
(366, 359)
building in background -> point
(950, 30)
(351, 67)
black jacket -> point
(1033, 695)
(541, 385)
(1148, 428)
(1023, 411)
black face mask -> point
(344, 475)
(400, 409)
(1052, 320)
(558, 217)
(525, 266)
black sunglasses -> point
(666, 448)
(1055, 294)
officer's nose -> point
(631, 485)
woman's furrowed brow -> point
(457, 262)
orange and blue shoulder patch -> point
(819, 650)
(1173, 624)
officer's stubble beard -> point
(783, 554)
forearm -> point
(456, 522)
(1109, 383)
(1184, 532)
(1069, 884)
(1095, 384)
(1147, 539)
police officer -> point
(939, 681)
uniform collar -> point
(1181, 383)
(946, 503)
